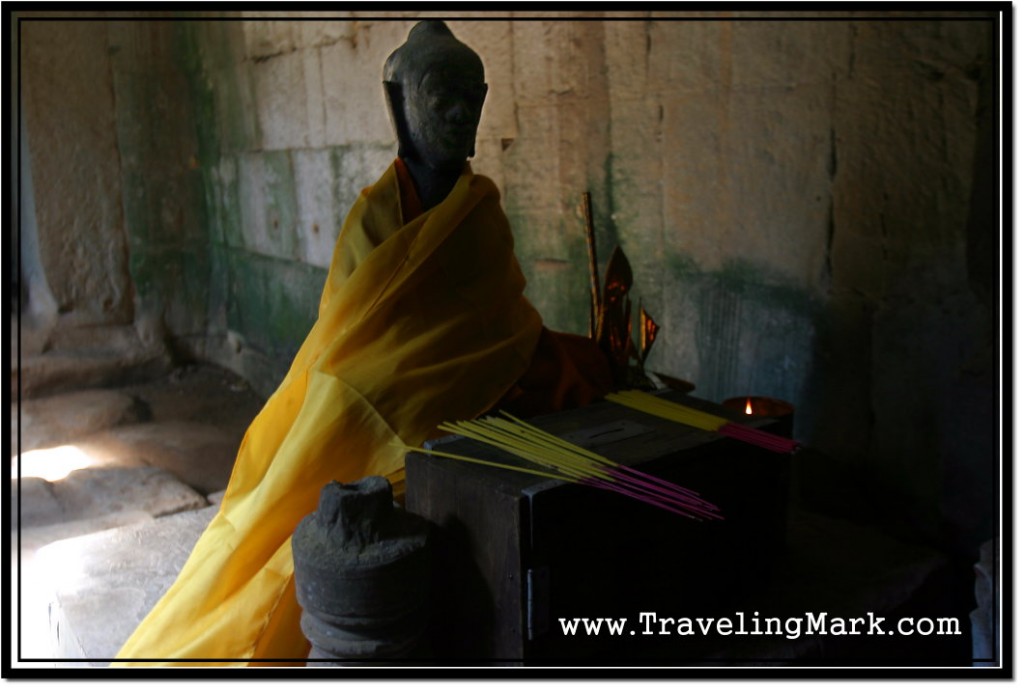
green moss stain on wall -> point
(338, 205)
(176, 281)
(189, 49)
(219, 287)
(272, 303)
(226, 203)
(210, 54)
(738, 330)
(192, 271)
(280, 203)
(253, 280)
(577, 291)
(605, 226)
(163, 185)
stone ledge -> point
(58, 372)
(93, 493)
(61, 418)
(198, 454)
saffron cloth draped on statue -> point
(419, 322)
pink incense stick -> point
(689, 512)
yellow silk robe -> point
(419, 322)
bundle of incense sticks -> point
(559, 459)
(654, 405)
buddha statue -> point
(422, 319)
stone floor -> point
(127, 461)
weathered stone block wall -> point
(291, 128)
(168, 239)
(110, 132)
(69, 110)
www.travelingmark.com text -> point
(741, 624)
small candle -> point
(759, 405)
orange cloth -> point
(419, 322)
(566, 371)
(411, 205)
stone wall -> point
(161, 181)
(292, 127)
(805, 204)
(69, 111)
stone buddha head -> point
(435, 89)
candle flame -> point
(750, 408)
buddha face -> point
(442, 111)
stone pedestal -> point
(362, 576)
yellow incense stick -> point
(567, 467)
(653, 405)
(548, 443)
(659, 407)
(493, 464)
(537, 452)
(563, 460)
